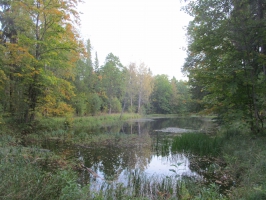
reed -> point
(140, 186)
(83, 138)
(83, 122)
(198, 143)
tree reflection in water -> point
(141, 148)
(146, 152)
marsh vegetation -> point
(123, 157)
(132, 161)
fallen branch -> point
(95, 175)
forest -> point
(47, 69)
(53, 90)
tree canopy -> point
(40, 44)
(226, 58)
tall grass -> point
(83, 138)
(246, 159)
(198, 143)
(140, 186)
(22, 180)
(23, 176)
(83, 122)
(81, 130)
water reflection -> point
(148, 152)
(110, 161)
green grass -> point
(246, 159)
(83, 122)
(83, 138)
(24, 174)
(198, 144)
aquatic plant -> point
(197, 143)
(74, 123)
(142, 187)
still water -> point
(147, 152)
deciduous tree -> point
(41, 54)
(144, 85)
(226, 58)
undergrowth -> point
(245, 156)
(23, 175)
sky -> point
(149, 31)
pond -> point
(146, 152)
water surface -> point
(147, 152)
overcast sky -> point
(149, 31)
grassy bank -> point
(79, 130)
(32, 173)
(245, 156)
(239, 164)
(83, 122)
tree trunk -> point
(139, 102)
(32, 99)
(123, 108)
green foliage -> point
(169, 97)
(76, 129)
(112, 79)
(41, 46)
(22, 176)
(116, 105)
(198, 144)
(161, 95)
(46, 71)
(80, 104)
(1, 115)
(182, 103)
(224, 65)
(188, 190)
(245, 157)
(94, 104)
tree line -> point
(226, 61)
(47, 70)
